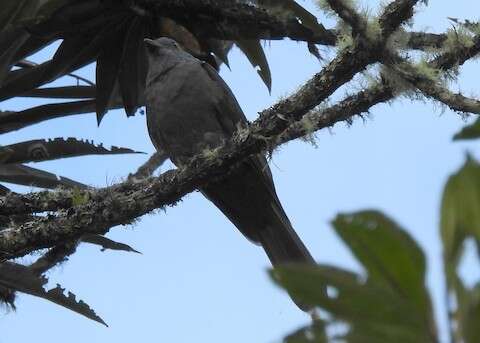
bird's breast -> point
(181, 116)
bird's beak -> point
(149, 41)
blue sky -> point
(198, 279)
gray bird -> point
(190, 109)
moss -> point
(458, 37)
(309, 127)
(395, 81)
(373, 31)
(211, 155)
(79, 197)
(425, 70)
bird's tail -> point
(283, 246)
(280, 241)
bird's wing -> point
(231, 117)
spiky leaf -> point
(45, 150)
(21, 278)
(107, 243)
(28, 176)
(255, 54)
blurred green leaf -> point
(460, 220)
(471, 131)
(312, 333)
(389, 304)
(468, 313)
(460, 213)
(370, 309)
(388, 253)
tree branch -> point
(122, 203)
(234, 20)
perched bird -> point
(190, 109)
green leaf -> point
(389, 254)
(468, 313)
(255, 54)
(469, 132)
(46, 150)
(460, 213)
(23, 279)
(370, 309)
(314, 333)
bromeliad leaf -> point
(9, 50)
(11, 121)
(59, 17)
(68, 92)
(13, 12)
(22, 279)
(255, 54)
(107, 243)
(75, 52)
(12, 36)
(290, 8)
(28, 176)
(132, 71)
(108, 66)
(45, 150)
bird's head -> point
(161, 45)
(164, 53)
